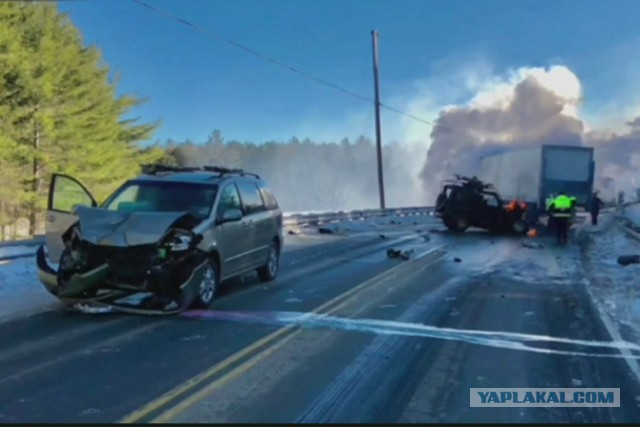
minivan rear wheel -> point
(269, 271)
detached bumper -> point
(46, 274)
(78, 284)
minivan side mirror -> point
(231, 215)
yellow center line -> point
(339, 301)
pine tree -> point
(59, 108)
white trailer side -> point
(515, 173)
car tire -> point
(449, 223)
(208, 287)
(460, 224)
(520, 227)
(269, 271)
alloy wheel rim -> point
(207, 284)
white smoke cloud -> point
(476, 110)
(527, 107)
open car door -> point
(65, 193)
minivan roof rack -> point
(153, 169)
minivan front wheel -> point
(208, 286)
(269, 271)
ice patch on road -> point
(21, 293)
(505, 340)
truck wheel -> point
(520, 227)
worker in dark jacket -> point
(561, 210)
(594, 208)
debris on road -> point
(397, 253)
(532, 245)
(87, 309)
(625, 260)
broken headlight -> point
(175, 241)
(181, 242)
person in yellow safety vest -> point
(561, 210)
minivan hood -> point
(112, 228)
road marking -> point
(283, 334)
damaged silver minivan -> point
(162, 242)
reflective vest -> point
(562, 206)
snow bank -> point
(632, 212)
(16, 250)
(21, 293)
(615, 288)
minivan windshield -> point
(163, 196)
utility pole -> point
(376, 84)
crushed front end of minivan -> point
(145, 262)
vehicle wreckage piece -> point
(398, 253)
(625, 260)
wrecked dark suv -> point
(468, 202)
(162, 242)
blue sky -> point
(195, 83)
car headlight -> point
(180, 242)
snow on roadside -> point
(614, 287)
(21, 293)
(632, 212)
(16, 250)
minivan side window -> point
(250, 197)
(229, 199)
(268, 198)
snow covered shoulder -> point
(21, 294)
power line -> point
(284, 65)
(249, 50)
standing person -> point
(595, 206)
(561, 208)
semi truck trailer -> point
(532, 174)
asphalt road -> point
(355, 355)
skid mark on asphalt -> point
(505, 340)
